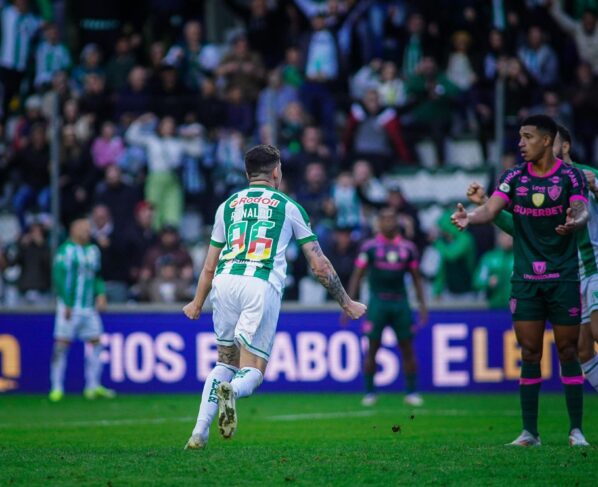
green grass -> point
(291, 440)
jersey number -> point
(259, 247)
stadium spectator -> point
(140, 238)
(82, 123)
(170, 97)
(585, 110)
(293, 120)
(118, 196)
(115, 261)
(169, 245)
(346, 202)
(212, 110)
(493, 274)
(539, 59)
(229, 174)
(391, 90)
(409, 222)
(95, 100)
(314, 195)
(19, 27)
(51, 56)
(312, 148)
(35, 264)
(374, 132)
(369, 188)
(23, 125)
(90, 62)
(108, 147)
(416, 44)
(342, 251)
(134, 99)
(167, 286)
(553, 106)
(32, 167)
(239, 111)
(119, 65)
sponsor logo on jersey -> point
(537, 199)
(504, 187)
(555, 180)
(522, 190)
(254, 200)
(535, 212)
(554, 192)
(539, 267)
(524, 179)
(392, 256)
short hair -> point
(261, 159)
(543, 123)
(564, 134)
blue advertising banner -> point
(165, 352)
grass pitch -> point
(291, 440)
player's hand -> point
(476, 194)
(460, 218)
(591, 177)
(101, 302)
(192, 310)
(570, 226)
(68, 313)
(355, 309)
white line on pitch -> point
(346, 414)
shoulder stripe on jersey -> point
(217, 244)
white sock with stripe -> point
(209, 400)
(58, 366)
(590, 370)
(247, 380)
(93, 366)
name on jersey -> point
(245, 200)
(252, 213)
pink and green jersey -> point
(254, 227)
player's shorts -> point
(84, 324)
(245, 313)
(394, 313)
(589, 297)
(557, 302)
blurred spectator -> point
(314, 195)
(456, 260)
(78, 176)
(374, 132)
(19, 27)
(119, 197)
(212, 111)
(113, 247)
(108, 147)
(584, 32)
(435, 95)
(391, 91)
(409, 223)
(32, 166)
(368, 77)
(51, 56)
(369, 188)
(518, 96)
(192, 58)
(229, 172)
(134, 98)
(539, 59)
(168, 246)
(347, 205)
(95, 100)
(417, 44)
(170, 96)
(271, 104)
(496, 51)
(585, 110)
(82, 123)
(119, 65)
(164, 154)
(342, 251)
(167, 286)
(554, 107)
(493, 274)
(242, 68)
(35, 264)
(90, 63)
(292, 72)
(292, 123)
(264, 25)
(239, 111)
(140, 238)
(33, 116)
(312, 149)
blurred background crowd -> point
(372, 103)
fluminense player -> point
(245, 267)
(548, 199)
(79, 294)
(386, 259)
(587, 251)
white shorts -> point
(84, 324)
(589, 297)
(245, 313)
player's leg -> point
(590, 367)
(588, 333)
(91, 329)
(224, 370)
(369, 369)
(64, 332)
(530, 336)
(403, 325)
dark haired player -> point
(245, 268)
(548, 200)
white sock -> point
(247, 380)
(590, 370)
(209, 401)
(93, 367)
(58, 366)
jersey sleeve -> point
(504, 221)
(363, 258)
(300, 224)
(505, 188)
(579, 185)
(413, 262)
(218, 237)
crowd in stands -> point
(155, 120)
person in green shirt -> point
(79, 294)
(493, 274)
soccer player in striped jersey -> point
(548, 198)
(386, 259)
(245, 267)
(80, 293)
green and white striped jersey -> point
(76, 275)
(254, 227)
(587, 238)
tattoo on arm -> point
(328, 277)
(580, 212)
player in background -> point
(587, 252)
(548, 199)
(386, 259)
(245, 267)
(79, 295)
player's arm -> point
(204, 283)
(477, 196)
(420, 295)
(577, 217)
(325, 273)
(481, 215)
(355, 282)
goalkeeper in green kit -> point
(79, 294)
